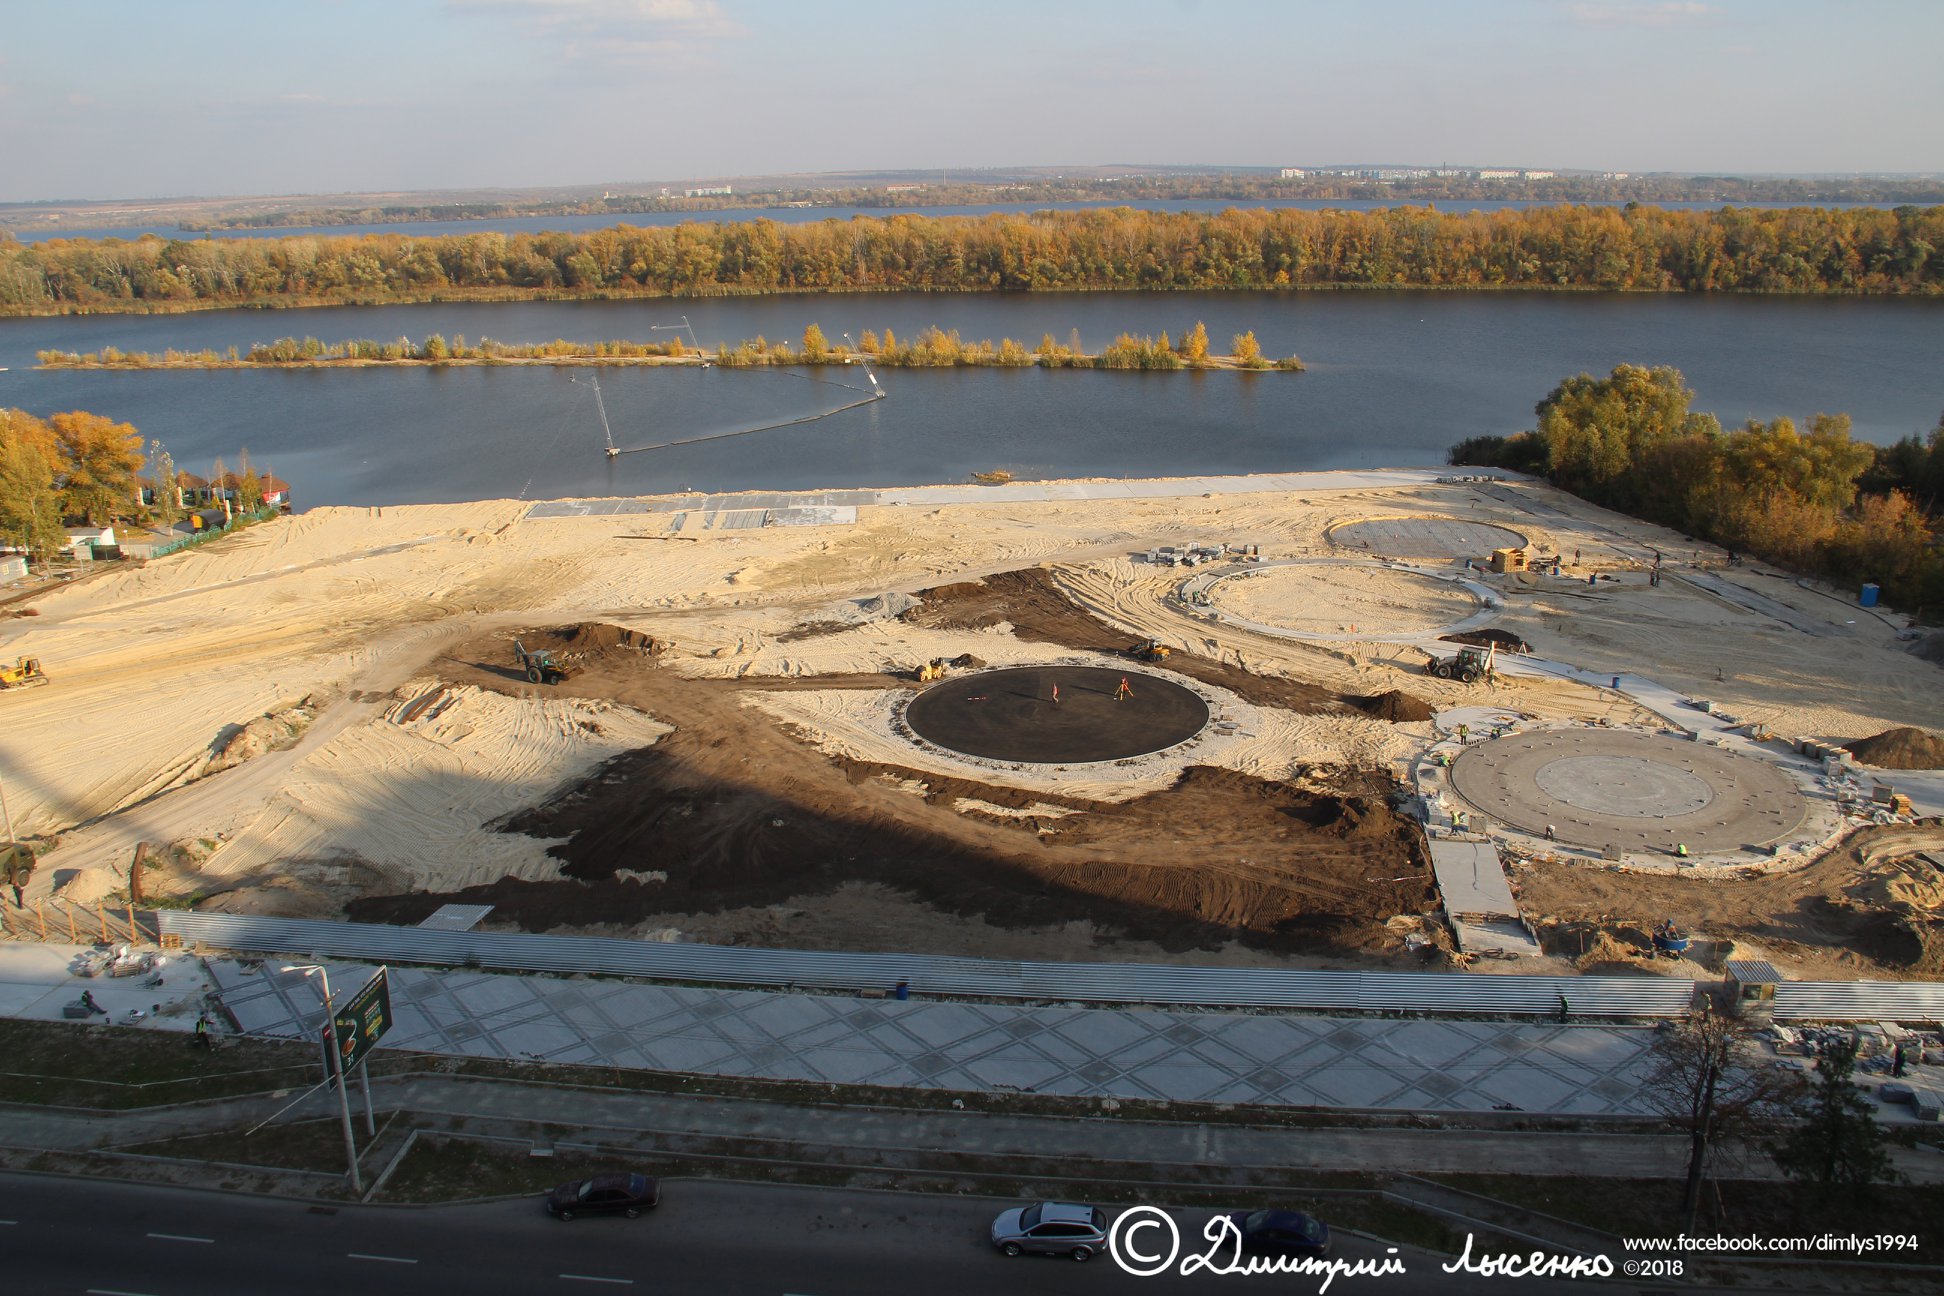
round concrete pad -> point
(1425, 537)
(1631, 790)
(1010, 714)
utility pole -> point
(336, 1064)
(5, 815)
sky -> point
(135, 98)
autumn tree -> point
(249, 487)
(1194, 346)
(162, 483)
(1248, 352)
(100, 463)
(816, 348)
(30, 509)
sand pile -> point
(1900, 748)
(1913, 883)
(266, 733)
(1396, 707)
(593, 641)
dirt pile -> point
(593, 641)
(1900, 748)
(1396, 707)
(267, 733)
(734, 812)
(1036, 609)
(1485, 638)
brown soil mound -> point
(1396, 707)
(1038, 611)
(1485, 638)
(737, 812)
(1901, 748)
(592, 639)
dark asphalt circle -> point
(1011, 714)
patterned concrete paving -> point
(1280, 1059)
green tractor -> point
(541, 666)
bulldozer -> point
(1468, 667)
(26, 672)
(541, 666)
(1150, 650)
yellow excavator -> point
(24, 673)
(1151, 650)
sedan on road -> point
(1051, 1228)
(1282, 1232)
(609, 1194)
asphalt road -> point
(89, 1236)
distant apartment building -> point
(1538, 175)
(711, 191)
(1498, 174)
(1294, 173)
(902, 188)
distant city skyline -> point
(222, 97)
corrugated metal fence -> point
(927, 974)
(1899, 1001)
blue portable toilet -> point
(1869, 596)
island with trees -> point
(1634, 249)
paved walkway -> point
(1274, 1060)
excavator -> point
(1467, 667)
(1150, 650)
(26, 672)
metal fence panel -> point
(1859, 1001)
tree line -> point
(1207, 186)
(1802, 250)
(930, 348)
(83, 468)
(1815, 500)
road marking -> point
(110, 1291)
(359, 1255)
(626, 1282)
(178, 1237)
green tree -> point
(1597, 429)
(1839, 1144)
(100, 464)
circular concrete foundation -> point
(1057, 715)
(1634, 791)
(1425, 537)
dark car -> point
(1282, 1233)
(1051, 1228)
(609, 1194)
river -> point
(1394, 379)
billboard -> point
(362, 1020)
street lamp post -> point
(336, 1064)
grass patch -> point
(442, 1167)
(95, 1065)
(300, 1145)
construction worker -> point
(1124, 691)
(1680, 850)
(1056, 695)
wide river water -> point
(1394, 379)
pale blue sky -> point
(127, 98)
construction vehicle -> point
(932, 670)
(1468, 667)
(24, 673)
(1151, 650)
(541, 666)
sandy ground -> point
(1333, 599)
(154, 667)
